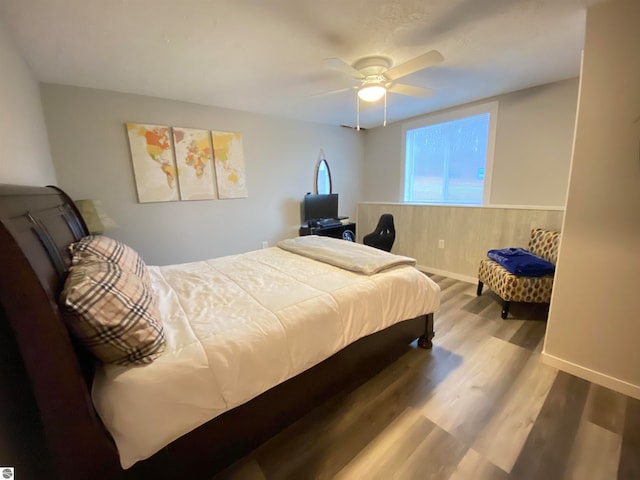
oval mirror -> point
(323, 183)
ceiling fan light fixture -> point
(371, 92)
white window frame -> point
(488, 107)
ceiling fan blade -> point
(342, 66)
(418, 63)
(330, 92)
(410, 90)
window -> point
(448, 157)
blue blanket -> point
(522, 262)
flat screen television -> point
(317, 207)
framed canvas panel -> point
(194, 159)
(154, 165)
(229, 161)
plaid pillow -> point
(117, 318)
(99, 247)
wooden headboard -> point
(38, 224)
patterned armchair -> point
(513, 288)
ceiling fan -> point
(377, 77)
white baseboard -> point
(592, 376)
(444, 273)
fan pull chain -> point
(357, 113)
(384, 123)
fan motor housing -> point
(370, 66)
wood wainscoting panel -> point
(468, 232)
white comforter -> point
(239, 325)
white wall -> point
(594, 325)
(532, 152)
(90, 149)
(24, 147)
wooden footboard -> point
(238, 431)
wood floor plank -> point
(435, 458)
(382, 457)
(455, 293)
(463, 333)
(629, 467)
(445, 283)
(507, 328)
(606, 408)
(474, 466)
(304, 442)
(538, 350)
(465, 401)
(451, 329)
(503, 437)
(494, 305)
(550, 441)
(477, 304)
(329, 438)
(529, 335)
(594, 455)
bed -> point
(50, 376)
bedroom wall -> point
(24, 147)
(90, 150)
(532, 153)
(593, 327)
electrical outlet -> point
(265, 244)
(440, 243)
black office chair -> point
(384, 235)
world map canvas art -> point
(171, 164)
(154, 164)
(229, 160)
(194, 159)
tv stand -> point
(337, 231)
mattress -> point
(237, 326)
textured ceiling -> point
(267, 55)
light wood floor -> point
(480, 405)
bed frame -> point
(48, 425)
